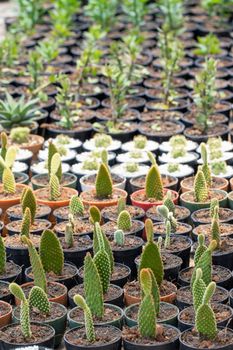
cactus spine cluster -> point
(76, 207)
(205, 167)
(95, 215)
(38, 299)
(89, 325)
(124, 222)
(205, 321)
(51, 253)
(119, 237)
(2, 256)
(215, 228)
(168, 202)
(103, 184)
(200, 187)
(154, 185)
(151, 257)
(28, 200)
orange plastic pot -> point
(130, 300)
(6, 318)
(147, 205)
(104, 203)
(9, 202)
(61, 299)
(185, 188)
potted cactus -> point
(154, 193)
(75, 208)
(42, 180)
(104, 195)
(27, 332)
(90, 336)
(112, 213)
(148, 333)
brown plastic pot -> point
(7, 318)
(104, 203)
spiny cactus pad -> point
(168, 202)
(205, 263)
(198, 289)
(124, 222)
(119, 237)
(54, 188)
(103, 184)
(52, 149)
(89, 326)
(8, 181)
(38, 299)
(154, 185)
(26, 223)
(215, 227)
(200, 188)
(121, 205)
(214, 203)
(69, 235)
(95, 215)
(107, 247)
(101, 260)
(76, 206)
(2, 256)
(205, 167)
(51, 253)
(168, 235)
(28, 200)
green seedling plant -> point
(102, 12)
(54, 180)
(89, 325)
(30, 14)
(154, 185)
(121, 205)
(8, 179)
(172, 13)
(124, 221)
(76, 207)
(207, 45)
(51, 253)
(9, 50)
(135, 10)
(218, 168)
(64, 100)
(35, 68)
(219, 9)
(119, 238)
(69, 235)
(103, 183)
(167, 217)
(28, 200)
(62, 18)
(178, 141)
(2, 256)
(168, 202)
(95, 215)
(201, 248)
(140, 142)
(215, 227)
(96, 246)
(205, 167)
(20, 135)
(200, 187)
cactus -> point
(167, 216)
(205, 321)
(51, 151)
(2, 256)
(26, 223)
(103, 184)
(69, 237)
(89, 326)
(3, 145)
(198, 289)
(121, 205)
(28, 200)
(107, 246)
(51, 253)
(36, 264)
(54, 188)
(147, 313)
(17, 291)
(95, 215)
(200, 187)
(201, 248)
(8, 181)
(93, 287)
(151, 257)
(214, 203)
(205, 167)
(168, 235)
(104, 157)
(154, 185)
(124, 222)
(102, 261)
(168, 202)
(119, 237)
(205, 263)
(151, 158)
(38, 299)
(55, 165)
(76, 206)
(215, 228)
(20, 134)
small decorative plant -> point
(154, 185)
(140, 142)
(167, 217)
(135, 11)
(124, 222)
(2, 256)
(95, 215)
(89, 324)
(20, 135)
(119, 237)
(218, 168)
(207, 45)
(28, 200)
(169, 203)
(103, 184)
(200, 187)
(76, 207)
(102, 12)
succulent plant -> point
(39, 299)
(151, 158)
(51, 253)
(69, 235)
(140, 141)
(154, 185)
(215, 228)
(121, 205)
(28, 200)
(214, 203)
(2, 256)
(124, 222)
(200, 187)
(201, 248)
(89, 325)
(103, 184)
(95, 215)
(205, 167)
(20, 134)
(54, 164)
(167, 216)
(76, 206)
(26, 223)
(168, 235)
(4, 142)
(168, 202)
(6, 164)
(198, 289)
(205, 321)
(151, 257)
(54, 188)
(119, 237)
(93, 288)
(107, 247)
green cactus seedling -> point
(205, 167)
(121, 205)
(76, 206)
(95, 215)
(124, 222)
(103, 184)
(151, 158)
(200, 188)
(52, 150)
(69, 235)
(2, 256)
(89, 325)
(214, 203)
(26, 223)
(201, 248)
(168, 202)
(8, 181)
(215, 228)
(54, 188)
(4, 142)
(198, 289)
(154, 185)
(39, 299)
(107, 247)
(151, 257)
(51, 253)
(28, 200)
(205, 321)
(167, 216)
(119, 237)
(104, 157)
(168, 235)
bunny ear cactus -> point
(168, 202)
(168, 235)
(2, 256)
(26, 223)
(205, 264)
(89, 325)
(119, 237)
(215, 228)
(151, 158)
(54, 188)
(17, 291)
(95, 215)
(198, 289)
(154, 185)
(93, 287)
(28, 200)
(205, 321)
(69, 235)
(200, 188)
(38, 299)
(102, 261)
(52, 150)
(10, 156)
(154, 290)
(76, 206)
(205, 167)
(147, 313)
(121, 205)
(107, 247)
(214, 203)
(151, 257)
(103, 184)
(167, 216)
(8, 181)
(51, 253)
(201, 248)
(104, 157)
(3, 145)
(124, 222)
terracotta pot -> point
(147, 205)
(7, 318)
(185, 188)
(104, 203)
(9, 202)
(61, 299)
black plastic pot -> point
(155, 217)
(134, 187)
(187, 231)
(60, 218)
(5, 294)
(113, 345)
(13, 277)
(11, 231)
(82, 135)
(19, 256)
(162, 137)
(45, 216)
(184, 254)
(223, 259)
(197, 221)
(106, 217)
(138, 232)
(203, 138)
(21, 178)
(76, 256)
